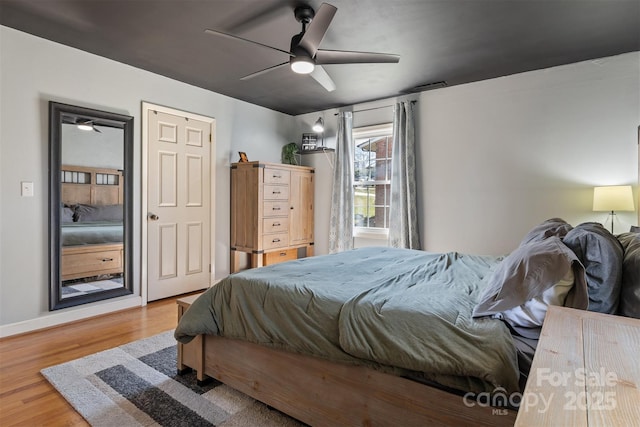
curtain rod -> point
(413, 101)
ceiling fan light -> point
(302, 65)
(85, 126)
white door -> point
(178, 205)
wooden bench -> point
(586, 371)
(191, 356)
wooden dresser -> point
(271, 212)
(585, 372)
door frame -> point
(144, 256)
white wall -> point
(102, 149)
(34, 71)
(499, 156)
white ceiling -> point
(456, 41)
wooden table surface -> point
(586, 372)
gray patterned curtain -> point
(403, 214)
(341, 223)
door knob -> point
(153, 217)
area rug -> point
(137, 385)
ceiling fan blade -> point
(232, 37)
(350, 57)
(320, 75)
(266, 70)
(317, 28)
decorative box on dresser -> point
(271, 212)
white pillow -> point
(531, 314)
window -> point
(372, 180)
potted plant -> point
(289, 152)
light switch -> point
(26, 189)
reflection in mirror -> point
(90, 154)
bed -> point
(378, 336)
(91, 222)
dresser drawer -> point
(275, 209)
(280, 256)
(276, 176)
(276, 192)
(275, 225)
(95, 263)
(274, 241)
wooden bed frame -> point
(90, 192)
(91, 260)
(323, 393)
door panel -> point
(167, 251)
(195, 136)
(194, 180)
(194, 248)
(179, 188)
(168, 185)
(167, 132)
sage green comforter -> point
(403, 311)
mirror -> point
(90, 205)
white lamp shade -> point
(613, 198)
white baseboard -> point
(70, 315)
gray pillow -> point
(87, 213)
(66, 214)
(526, 274)
(630, 289)
(551, 227)
(601, 254)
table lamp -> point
(613, 198)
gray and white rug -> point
(136, 385)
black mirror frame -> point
(56, 111)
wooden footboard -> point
(323, 393)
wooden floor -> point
(27, 399)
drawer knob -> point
(275, 240)
(276, 224)
(276, 208)
(107, 259)
(283, 254)
(276, 192)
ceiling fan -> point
(87, 125)
(82, 124)
(305, 57)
